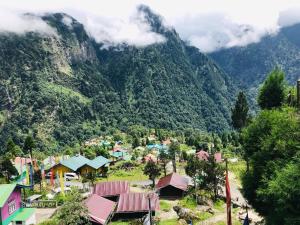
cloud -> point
(218, 31)
(207, 24)
(132, 30)
(22, 23)
(289, 17)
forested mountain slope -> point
(66, 87)
(250, 65)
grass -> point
(204, 215)
(119, 223)
(132, 175)
(168, 222)
(238, 168)
(165, 206)
(188, 202)
(219, 205)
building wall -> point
(62, 168)
(170, 191)
(15, 196)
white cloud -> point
(22, 23)
(207, 24)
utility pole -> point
(150, 213)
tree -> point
(29, 145)
(271, 143)
(174, 149)
(152, 170)
(136, 142)
(213, 175)
(73, 211)
(7, 169)
(239, 114)
(164, 159)
(272, 93)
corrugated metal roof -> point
(112, 188)
(75, 162)
(174, 180)
(98, 162)
(6, 190)
(137, 202)
(99, 208)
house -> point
(172, 186)
(203, 155)
(11, 210)
(111, 190)
(100, 210)
(80, 164)
(136, 205)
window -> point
(19, 222)
(11, 207)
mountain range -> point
(67, 87)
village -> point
(126, 185)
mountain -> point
(249, 65)
(65, 88)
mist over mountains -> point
(67, 87)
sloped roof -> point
(75, 162)
(98, 162)
(99, 208)
(203, 155)
(137, 202)
(173, 179)
(6, 190)
(218, 157)
(111, 188)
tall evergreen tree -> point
(29, 145)
(239, 114)
(173, 151)
(271, 94)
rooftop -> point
(137, 202)
(99, 208)
(112, 188)
(173, 179)
(23, 214)
(6, 190)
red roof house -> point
(136, 205)
(203, 155)
(172, 186)
(99, 209)
(112, 189)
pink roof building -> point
(100, 209)
(111, 189)
(203, 155)
(172, 186)
(137, 202)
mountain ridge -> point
(66, 88)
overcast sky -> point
(206, 24)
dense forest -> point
(65, 88)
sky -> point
(207, 24)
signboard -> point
(41, 204)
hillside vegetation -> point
(66, 88)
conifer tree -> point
(239, 114)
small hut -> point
(172, 186)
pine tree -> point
(29, 145)
(239, 114)
(272, 93)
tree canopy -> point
(272, 93)
(239, 114)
